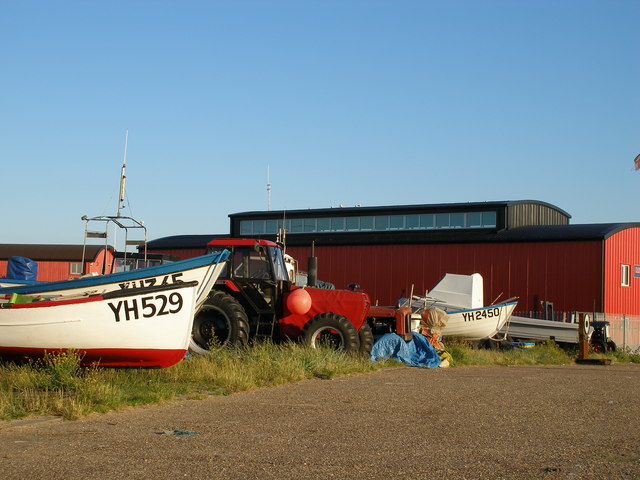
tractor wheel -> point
(598, 346)
(611, 346)
(220, 321)
(332, 330)
(365, 334)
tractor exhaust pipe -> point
(312, 273)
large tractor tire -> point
(598, 346)
(220, 321)
(365, 335)
(331, 330)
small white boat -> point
(140, 327)
(461, 299)
(478, 323)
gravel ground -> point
(572, 421)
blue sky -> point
(378, 102)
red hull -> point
(104, 357)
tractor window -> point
(225, 271)
(247, 263)
(278, 263)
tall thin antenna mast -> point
(268, 190)
(123, 177)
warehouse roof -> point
(543, 233)
(372, 210)
(70, 253)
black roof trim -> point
(589, 231)
(183, 241)
(66, 253)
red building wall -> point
(566, 273)
(573, 274)
(48, 270)
(54, 270)
(622, 248)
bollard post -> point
(583, 337)
(583, 344)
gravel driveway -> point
(569, 422)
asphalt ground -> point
(551, 422)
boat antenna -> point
(268, 190)
(123, 177)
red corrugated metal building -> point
(58, 262)
(524, 249)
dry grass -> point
(59, 386)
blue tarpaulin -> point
(415, 353)
(20, 268)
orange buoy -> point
(299, 301)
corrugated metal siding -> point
(524, 214)
(565, 273)
(54, 270)
(622, 248)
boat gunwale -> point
(125, 292)
(497, 305)
(91, 281)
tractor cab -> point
(252, 261)
(256, 275)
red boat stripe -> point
(104, 357)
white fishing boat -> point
(154, 306)
(139, 327)
(460, 297)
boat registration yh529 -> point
(138, 327)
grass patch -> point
(57, 385)
(544, 353)
(541, 354)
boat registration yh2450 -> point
(459, 298)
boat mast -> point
(123, 177)
(268, 191)
(121, 196)
(119, 221)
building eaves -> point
(69, 253)
(577, 232)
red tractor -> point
(256, 297)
